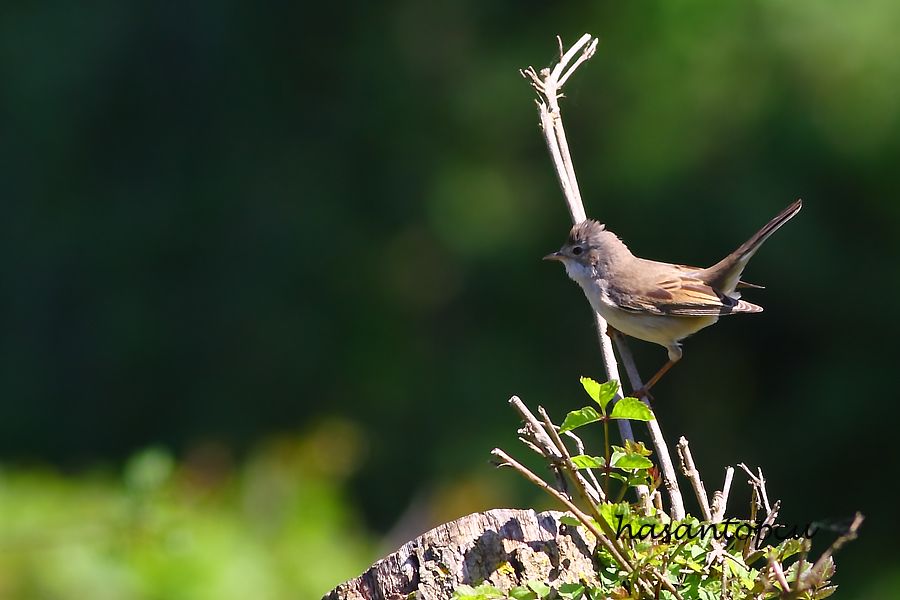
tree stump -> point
(505, 547)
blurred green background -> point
(271, 271)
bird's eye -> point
(577, 250)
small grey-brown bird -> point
(655, 301)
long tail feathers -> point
(725, 274)
(748, 248)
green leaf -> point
(706, 594)
(577, 418)
(637, 478)
(608, 391)
(790, 547)
(632, 461)
(570, 520)
(464, 592)
(611, 513)
(617, 453)
(631, 408)
(828, 571)
(695, 550)
(600, 393)
(592, 388)
(583, 461)
(618, 477)
(632, 447)
(824, 592)
(571, 591)
(489, 592)
(485, 591)
(522, 593)
(597, 593)
(541, 589)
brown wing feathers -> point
(687, 298)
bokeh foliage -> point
(224, 221)
(202, 529)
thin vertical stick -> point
(690, 471)
(720, 499)
(667, 469)
(548, 84)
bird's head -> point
(585, 239)
(580, 252)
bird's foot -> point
(642, 393)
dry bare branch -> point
(538, 439)
(605, 534)
(548, 84)
(720, 499)
(690, 471)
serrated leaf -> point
(608, 391)
(592, 387)
(632, 447)
(601, 393)
(633, 409)
(577, 418)
(825, 592)
(790, 547)
(828, 568)
(583, 461)
(632, 461)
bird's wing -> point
(677, 293)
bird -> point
(659, 302)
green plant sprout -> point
(639, 550)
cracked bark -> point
(505, 547)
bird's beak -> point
(554, 256)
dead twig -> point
(720, 499)
(690, 471)
(548, 84)
(818, 573)
(598, 527)
(538, 439)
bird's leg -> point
(674, 357)
(644, 392)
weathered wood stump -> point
(505, 547)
